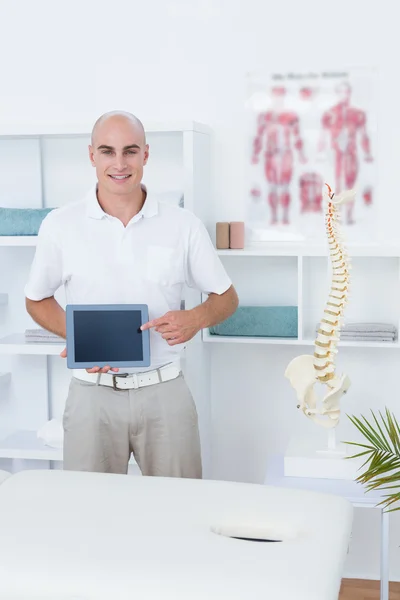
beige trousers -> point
(157, 423)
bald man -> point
(120, 245)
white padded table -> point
(88, 536)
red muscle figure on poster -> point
(310, 193)
(278, 130)
(344, 124)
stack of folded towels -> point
(368, 332)
(41, 335)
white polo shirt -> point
(99, 261)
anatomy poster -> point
(305, 129)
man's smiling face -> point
(119, 153)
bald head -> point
(119, 152)
(117, 116)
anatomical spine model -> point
(305, 371)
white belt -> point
(130, 381)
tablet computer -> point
(107, 334)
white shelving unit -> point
(299, 275)
(53, 169)
(16, 344)
(25, 445)
(29, 240)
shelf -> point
(220, 339)
(5, 378)
(362, 344)
(16, 344)
(265, 249)
(25, 445)
(262, 249)
(309, 249)
(18, 240)
(230, 339)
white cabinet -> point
(49, 169)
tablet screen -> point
(104, 336)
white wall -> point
(67, 62)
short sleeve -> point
(204, 269)
(45, 275)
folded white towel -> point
(369, 334)
(367, 328)
(42, 335)
(366, 338)
(42, 340)
(52, 434)
(39, 331)
(381, 327)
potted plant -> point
(382, 452)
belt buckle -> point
(115, 383)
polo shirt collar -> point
(94, 210)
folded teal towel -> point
(22, 221)
(260, 321)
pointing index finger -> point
(147, 325)
(154, 323)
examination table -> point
(89, 536)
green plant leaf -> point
(388, 448)
(391, 499)
(358, 455)
(397, 425)
(382, 452)
(389, 479)
(359, 445)
(370, 434)
(379, 473)
(388, 427)
(394, 436)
